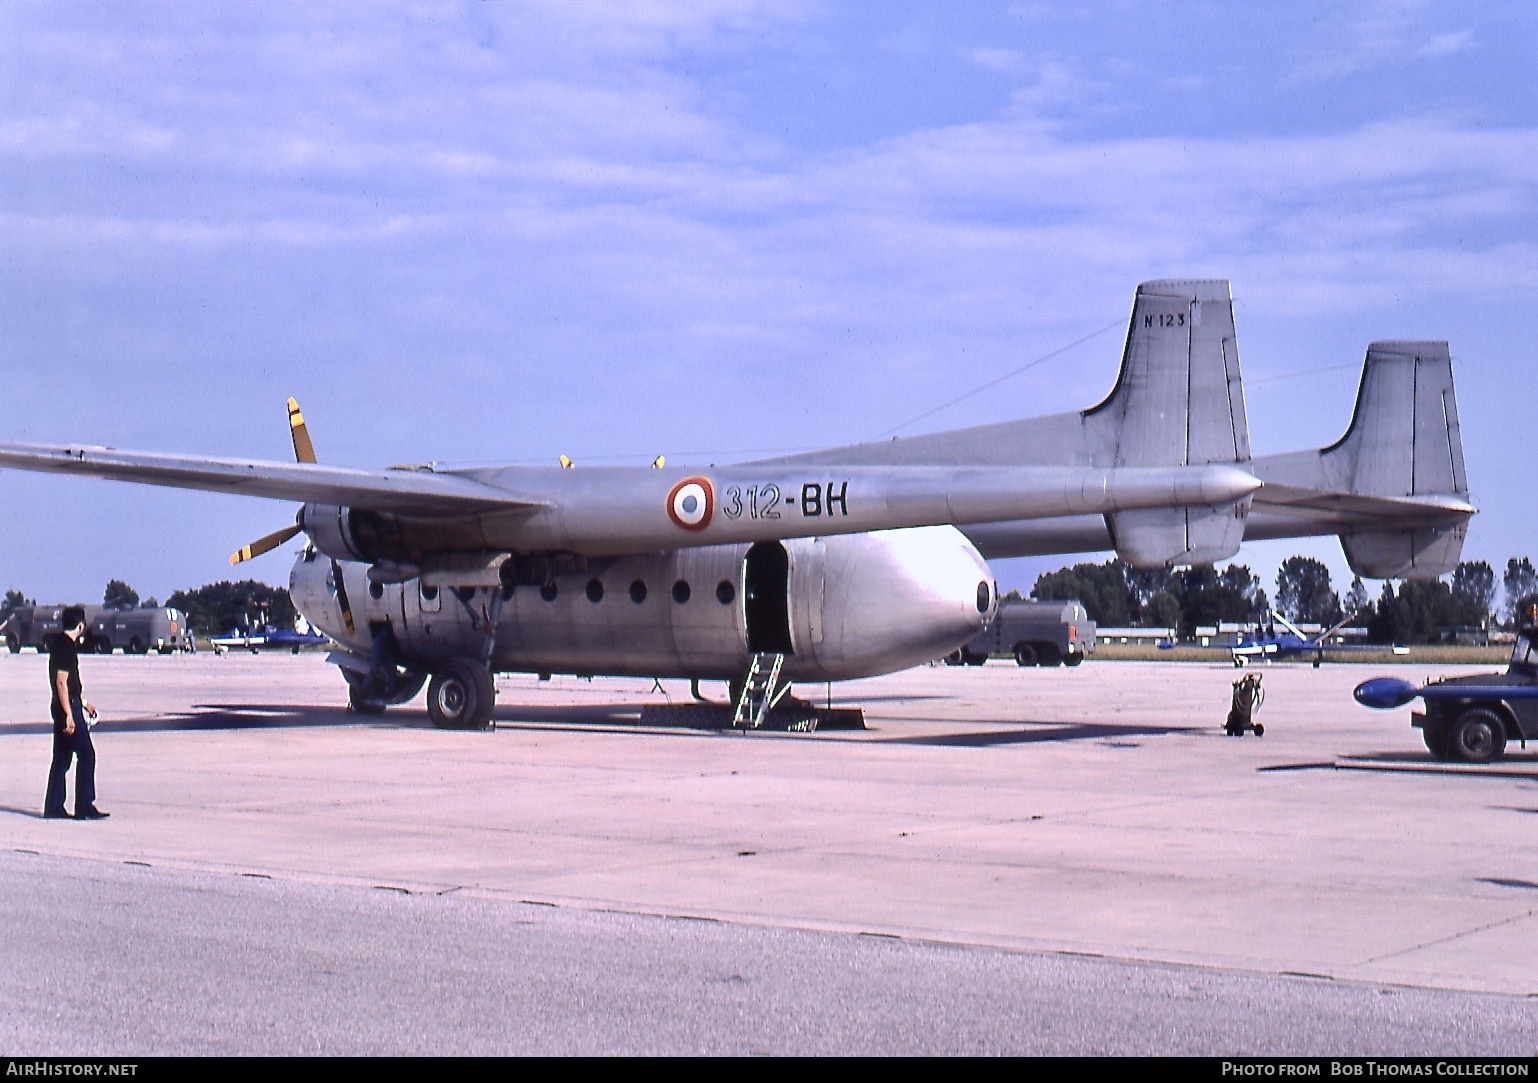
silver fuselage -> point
(838, 607)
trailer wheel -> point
(953, 659)
(1479, 736)
(135, 646)
(1025, 654)
(13, 643)
(1047, 654)
(102, 646)
(1071, 660)
(974, 659)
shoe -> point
(55, 814)
(92, 813)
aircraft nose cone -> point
(1385, 693)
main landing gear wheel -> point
(460, 696)
(1479, 736)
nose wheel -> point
(461, 696)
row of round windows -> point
(726, 593)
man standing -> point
(71, 733)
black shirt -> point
(63, 657)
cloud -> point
(1381, 33)
(1451, 44)
(1012, 61)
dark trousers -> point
(65, 748)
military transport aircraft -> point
(836, 564)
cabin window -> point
(725, 592)
(549, 590)
(681, 591)
(984, 596)
(638, 592)
(594, 591)
(376, 591)
(429, 593)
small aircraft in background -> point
(266, 637)
(1293, 642)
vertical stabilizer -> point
(1178, 401)
(1395, 482)
(1405, 403)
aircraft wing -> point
(1362, 648)
(400, 490)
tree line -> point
(1116, 595)
(210, 609)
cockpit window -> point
(1525, 652)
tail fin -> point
(1405, 401)
(1394, 484)
(1178, 401)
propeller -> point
(265, 544)
(304, 452)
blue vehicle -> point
(1470, 719)
(267, 637)
(1295, 643)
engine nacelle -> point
(333, 532)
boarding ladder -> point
(758, 691)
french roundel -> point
(691, 503)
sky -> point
(507, 231)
